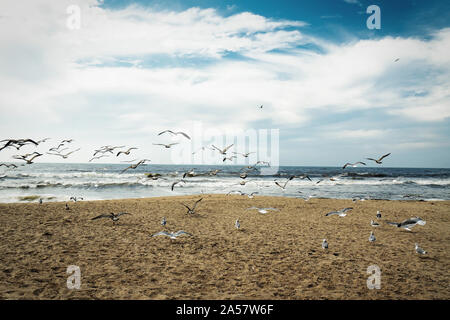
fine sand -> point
(273, 256)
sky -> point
(333, 89)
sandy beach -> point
(272, 256)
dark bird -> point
(125, 152)
(24, 157)
(174, 133)
(379, 160)
(8, 165)
(176, 182)
(17, 143)
(112, 216)
(192, 211)
(284, 186)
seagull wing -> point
(122, 213)
(225, 150)
(184, 134)
(162, 233)
(384, 156)
(102, 216)
(196, 202)
(180, 232)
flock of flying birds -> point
(106, 151)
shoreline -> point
(273, 256)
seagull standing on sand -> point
(378, 215)
(237, 224)
(419, 250)
(324, 244)
(372, 237)
(374, 224)
(172, 235)
(163, 221)
(341, 213)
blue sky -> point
(330, 85)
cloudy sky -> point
(331, 86)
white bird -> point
(64, 156)
(172, 235)
(245, 155)
(372, 237)
(378, 215)
(374, 224)
(237, 224)
(177, 182)
(263, 210)
(379, 160)
(175, 133)
(341, 213)
(409, 223)
(419, 250)
(223, 151)
(324, 244)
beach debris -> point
(379, 160)
(112, 216)
(408, 223)
(172, 235)
(341, 213)
(189, 210)
(284, 185)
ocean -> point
(59, 182)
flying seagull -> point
(28, 161)
(125, 152)
(192, 211)
(64, 156)
(224, 151)
(341, 213)
(75, 199)
(175, 133)
(408, 223)
(176, 182)
(228, 158)
(419, 250)
(112, 216)
(134, 166)
(8, 165)
(379, 160)
(172, 235)
(284, 186)
(372, 237)
(263, 210)
(352, 164)
(17, 143)
(166, 145)
(324, 244)
(396, 59)
(98, 157)
(245, 155)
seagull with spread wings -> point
(189, 210)
(175, 133)
(165, 145)
(379, 160)
(223, 151)
(352, 164)
(340, 213)
(171, 235)
(284, 186)
(64, 156)
(126, 152)
(134, 166)
(112, 216)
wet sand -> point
(272, 256)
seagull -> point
(67, 140)
(237, 224)
(192, 211)
(261, 106)
(243, 175)
(8, 165)
(112, 216)
(341, 213)
(163, 221)
(419, 250)
(43, 140)
(372, 237)
(284, 186)
(75, 199)
(125, 152)
(324, 244)
(67, 207)
(134, 166)
(175, 133)
(190, 173)
(64, 156)
(166, 145)
(263, 162)
(409, 223)
(105, 149)
(176, 182)
(374, 224)
(352, 164)
(224, 151)
(28, 161)
(214, 172)
(263, 210)
(57, 149)
(235, 191)
(98, 157)
(228, 158)
(245, 155)
(379, 160)
(17, 143)
(172, 235)
(378, 215)
(396, 59)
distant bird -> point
(245, 155)
(236, 191)
(172, 235)
(57, 149)
(284, 185)
(112, 216)
(223, 151)
(17, 143)
(261, 106)
(374, 224)
(67, 207)
(419, 250)
(8, 165)
(166, 145)
(341, 213)
(64, 156)
(243, 175)
(134, 166)
(98, 157)
(75, 199)
(396, 59)
(228, 158)
(303, 176)
(237, 224)
(214, 172)
(177, 182)
(408, 223)
(163, 221)
(175, 133)
(324, 244)
(378, 215)
(192, 211)
(24, 157)
(40, 200)
(372, 237)
(190, 173)
(125, 152)
(379, 160)
(263, 162)
(43, 140)
(68, 141)
(263, 210)
(105, 149)
(352, 164)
